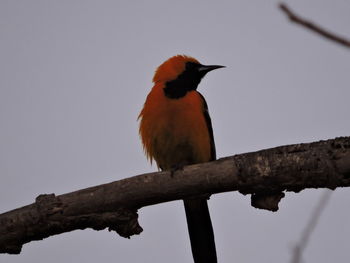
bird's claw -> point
(175, 168)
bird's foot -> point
(175, 168)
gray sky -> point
(74, 76)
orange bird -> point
(176, 130)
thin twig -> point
(313, 27)
(310, 227)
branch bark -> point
(324, 164)
(313, 27)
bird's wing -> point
(210, 129)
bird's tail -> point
(200, 230)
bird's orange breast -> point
(174, 131)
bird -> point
(176, 130)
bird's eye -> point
(191, 65)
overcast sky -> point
(74, 76)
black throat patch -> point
(188, 80)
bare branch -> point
(323, 164)
(313, 27)
(300, 247)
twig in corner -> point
(313, 27)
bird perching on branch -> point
(176, 130)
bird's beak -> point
(205, 69)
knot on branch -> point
(257, 171)
(125, 223)
(267, 201)
(48, 204)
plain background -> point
(74, 76)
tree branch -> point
(313, 27)
(323, 164)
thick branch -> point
(313, 27)
(287, 168)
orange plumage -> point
(169, 125)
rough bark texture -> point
(264, 174)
